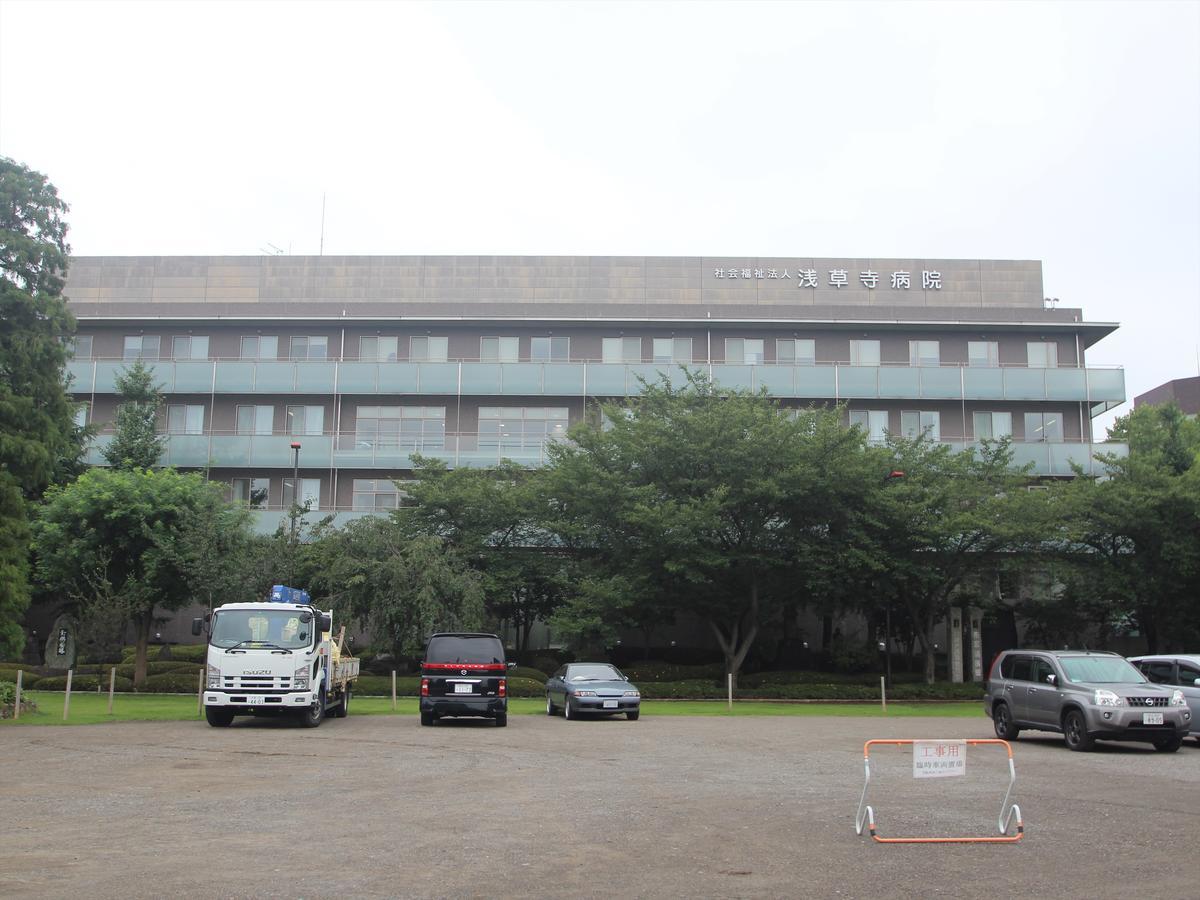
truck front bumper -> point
(252, 701)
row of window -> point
(370, 494)
(424, 348)
(425, 426)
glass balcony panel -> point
(402, 378)
(1024, 384)
(438, 378)
(187, 450)
(563, 379)
(481, 378)
(235, 377)
(1106, 384)
(816, 382)
(193, 376)
(1065, 384)
(651, 373)
(358, 378)
(606, 380)
(858, 382)
(1061, 456)
(106, 375)
(941, 383)
(315, 377)
(983, 384)
(518, 378)
(231, 450)
(271, 377)
(81, 372)
(779, 380)
(902, 382)
(734, 376)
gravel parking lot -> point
(663, 807)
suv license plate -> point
(1152, 718)
(253, 700)
(462, 689)
(610, 704)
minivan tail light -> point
(503, 687)
(424, 687)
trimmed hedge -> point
(528, 672)
(173, 683)
(125, 670)
(179, 653)
(704, 690)
(83, 683)
(651, 670)
(28, 680)
(408, 686)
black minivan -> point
(464, 675)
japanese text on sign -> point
(901, 280)
(939, 759)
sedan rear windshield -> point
(1095, 670)
(465, 650)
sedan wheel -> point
(549, 706)
(567, 708)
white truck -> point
(275, 658)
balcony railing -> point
(1101, 388)
(352, 451)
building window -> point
(672, 350)
(310, 492)
(744, 351)
(80, 347)
(1043, 428)
(141, 346)
(305, 420)
(1042, 355)
(393, 427)
(189, 346)
(924, 353)
(260, 347)
(185, 419)
(864, 353)
(983, 354)
(873, 421)
(499, 349)
(992, 426)
(378, 349)
(255, 419)
(309, 347)
(796, 351)
(621, 350)
(252, 492)
(924, 423)
(372, 494)
(81, 414)
(428, 349)
(518, 427)
(550, 349)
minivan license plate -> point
(462, 689)
(1152, 718)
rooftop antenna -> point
(322, 250)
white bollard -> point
(729, 687)
(200, 694)
(67, 695)
(112, 684)
(17, 707)
(393, 690)
(883, 692)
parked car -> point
(1181, 671)
(593, 688)
(1086, 696)
(464, 675)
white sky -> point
(1068, 133)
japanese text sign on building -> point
(901, 280)
(939, 759)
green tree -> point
(37, 431)
(1135, 536)
(137, 443)
(121, 540)
(402, 588)
(495, 519)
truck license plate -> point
(462, 689)
(1152, 718)
(610, 704)
(252, 700)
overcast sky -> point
(1065, 132)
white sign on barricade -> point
(939, 759)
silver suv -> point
(1084, 695)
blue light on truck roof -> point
(281, 593)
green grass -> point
(90, 708)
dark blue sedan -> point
(592, 688)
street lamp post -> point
(295, 502)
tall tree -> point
(137, 443)
(123, 540)
(36, 413)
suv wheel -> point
(1002, 721)
(1169, 745)
(1075, 731)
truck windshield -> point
(248, 627)
(483, 649)
(1100, 670)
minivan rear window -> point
(456, 649)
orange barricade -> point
(1008, 812)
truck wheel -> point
(218, 716)
(501, 719)
(1169, 745)
(315, 714)
(1075, 731)
(426, 718)
(343, 708)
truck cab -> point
(275, 658)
